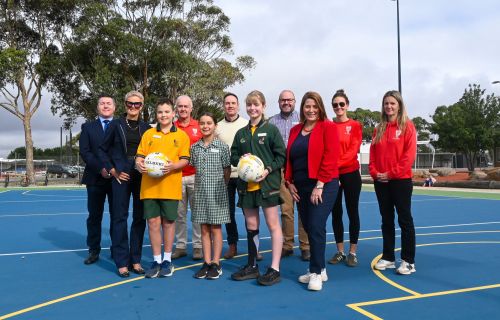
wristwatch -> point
(319, 187)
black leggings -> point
(350, 183)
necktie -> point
(106, 124)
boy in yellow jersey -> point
(161, 195)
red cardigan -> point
(395, 153)
(323, 152)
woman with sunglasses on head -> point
(350, 137)
(392, 153)
(311, 174)
(117, 153)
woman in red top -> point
(350, 136)
(392, 154)
(311, 175)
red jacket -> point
(323, 153)
(395, 153)
(350, 137)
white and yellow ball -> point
(154, 163)
(250, 168)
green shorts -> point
(160, 208)
(254, 199)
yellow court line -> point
(415, 295)
(357, 306)
(389, 281)
(48, 303)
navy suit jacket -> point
(91, 137)
(113, 151)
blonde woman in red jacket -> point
(392, 154)
(311, 176)
(350, 136)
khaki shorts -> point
(160, 208)
(254, 199)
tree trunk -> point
(30, 168)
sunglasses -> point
(338, 105)
(287, 100)
(136, 105)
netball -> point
(250, 168)
(154, 164)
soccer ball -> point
(250, 168)
(154, 164)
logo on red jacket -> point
(195, 132)
(398, 133)
(348, 130)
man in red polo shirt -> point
(184, 108)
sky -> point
(325, 45)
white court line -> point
(54, 195)
(55, 200)
(44, 214)
(25, 192)
(268, 237)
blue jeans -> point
(314, 218)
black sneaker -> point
(154, 271)
(271, 277)
(202, 273)
(246, 273)
(214, 272)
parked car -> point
(61, 171)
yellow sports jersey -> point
(253, 186)
(174, 145)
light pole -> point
(399, 48)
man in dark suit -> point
(96, 177)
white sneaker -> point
(306, 277)
(315, 282)
(384, 264)
(406, 268)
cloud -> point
(325, 45)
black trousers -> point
(391, 196)
(232, 227)
(96, 197)
(350, 185)
(125, 253)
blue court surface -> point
(42, 248)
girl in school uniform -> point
(210, 157)
(264, 140)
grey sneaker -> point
(351, 260)
(337, 258)
(214, 272)
(154, 271)
(197, 254)
(246, 272)
(269, 278)
(202, 273)
(167, 269)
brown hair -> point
(340, 94)
(319, 102)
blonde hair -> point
(134, 93)
(255, 95)
(401, 119)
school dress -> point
(211, 205)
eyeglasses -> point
(338, 105)
(287, 100)
(136, 105)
